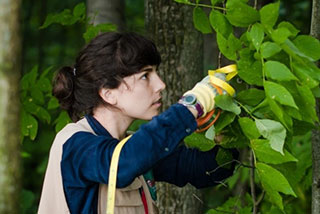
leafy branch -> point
(278, 67)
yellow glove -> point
(205, 94)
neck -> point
(113, 121)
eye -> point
(145, 76)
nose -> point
(159, 85)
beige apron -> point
(53, 201)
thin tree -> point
(315, 32)
(181, 47)
(107, 11)
(9, 106)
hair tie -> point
(74, 71)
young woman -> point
(113, 82)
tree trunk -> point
(315, 32)
(181, 48)
(9, 108)
(107, 11)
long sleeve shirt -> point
(155, 146)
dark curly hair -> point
(103, 63)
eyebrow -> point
(148, 69)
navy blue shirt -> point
(86, 158)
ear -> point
(108, 95)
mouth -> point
(158, 102)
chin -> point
(150, 116)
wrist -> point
(190, 101)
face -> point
(139, 95)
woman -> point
(114, 81)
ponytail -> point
(63, 90)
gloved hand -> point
(205, 94)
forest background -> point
(46, 48)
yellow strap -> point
(231, 71)
(113, 176)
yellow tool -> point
(219, 84)
(231, 71)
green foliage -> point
(232, 205)
(265, 153)
(201, 21)
(226, 103)
(278, 66)
(68, 17)
(199, 141)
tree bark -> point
(315, 32)
(107, 11)
(9, 108)
(181, 47)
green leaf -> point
(37, 95)
(274, 195)
(256, 35)
(45, 72)
(64, 18)
(201, 21)
(224, 158)
(292, 112)
(210, 133)
(228, 47)
(279, 93)
(278, 71)
(269, 14)
(62, 120)
(280, 35)
(269, 175)
(36, 110)
(250, 96)
(214, 2)
(316, 92)
(294, 31)
(250, 73)
(44, 85)
(220, 23)
(136, 125)
(292, 50)
(269, 49)
(309, 46)
(249, 128)
(240, 14)
(182, 1)
(225, 102)
(53, 103)
(80, 10)
(273, 131)
(265, 153)
(225, 119)
(231, 206)
(50, 19)
(302, 72)
(308, 102)
(29, 125)
(29, 79)
(199, 141)
(93, 31)
(280, 113)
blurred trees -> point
(10, 48)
